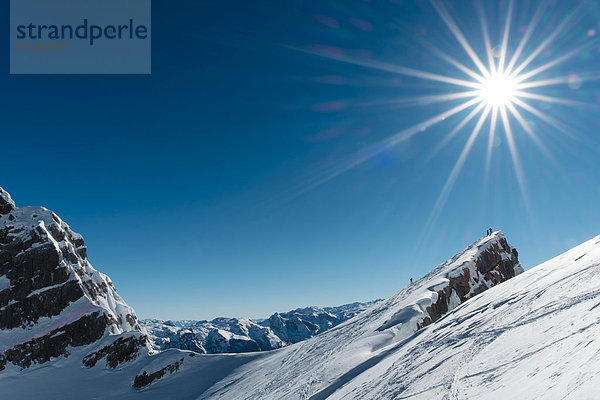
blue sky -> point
(196, 187)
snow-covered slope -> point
(535, 337)
(240, 335)
(324, 362)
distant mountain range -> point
(240, 335)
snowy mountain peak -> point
(6, 202)
(51, 298)
(279, 330)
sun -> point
(499, 90)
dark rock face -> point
(144, 379)
(493, 265)
(46, 304)
(32, 262)
(121, 350)
(45, 278)
(85, 330)
(438, 309)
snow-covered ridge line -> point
(239, 335)
(482, 265)
(319, 366)
(535, 337)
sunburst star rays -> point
(497, 90)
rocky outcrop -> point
(239, 335)
(122, 350)
(145, 378)
(51, 298)
(85, 330)
(495, 263)
(486, 263)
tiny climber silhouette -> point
(491, 231)
(410, 280)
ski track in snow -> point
(556, 315)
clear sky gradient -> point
(209, 188)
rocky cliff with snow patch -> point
(51, 298)
(479, 267)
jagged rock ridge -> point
(51, 298)
(494, 261)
